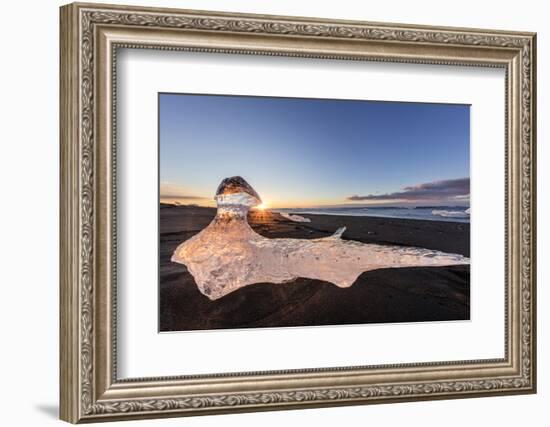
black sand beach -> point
(379, 296)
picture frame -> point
(91, 36)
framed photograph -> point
(266, 212)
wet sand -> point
(379, 296)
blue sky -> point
(310, 152)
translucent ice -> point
(295, 218)
(228, 255)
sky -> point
(315, 152)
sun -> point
(262, 206)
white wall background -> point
(29, 170)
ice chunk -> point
(451, 214)
(295, 218)
(338, 233)
(236, 185)
(228, 255)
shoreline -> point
(309, 213)
(374, 214)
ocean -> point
(431, 213)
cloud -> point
(164, 196)
(458, 189)
(176, 192)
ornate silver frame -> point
(90, 36)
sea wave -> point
(451, 214)
(430, 213)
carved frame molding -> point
(90, 37)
